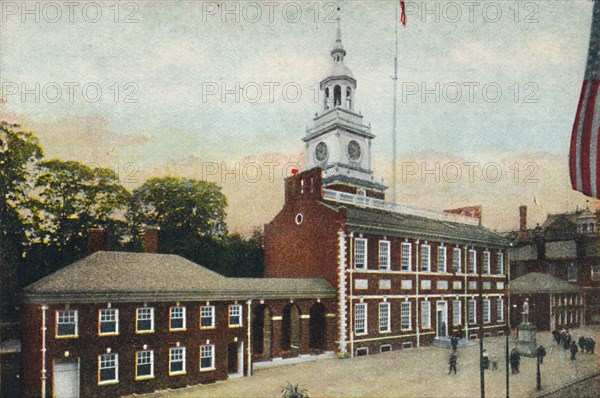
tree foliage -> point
(19, 152)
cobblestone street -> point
(420, 372)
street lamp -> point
(538, 376)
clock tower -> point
(339, 142)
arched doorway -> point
(318, 328)
(291, 329)
(262, 331)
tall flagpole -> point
(395, 78)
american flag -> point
(584, 157)
(403, 13)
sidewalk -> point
(417, 372)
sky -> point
(224, 91)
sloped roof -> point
(537, 282)
(159, 277)
(391, 223)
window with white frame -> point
(207, 357)
(425, 258)
(572, 272)
(472, 261)
(108, 368)
(500, 310)
(472, 312)
(145, 364)
(145, 319)
(487, 317)
(235, 315)
(360, 253)
(384, 254)
(405, 315)
(66, 323)
(425, 314)
(360, 318)
(456, 312)
(207, 316)
(500, 263)
(486, 262)
(406, 256)
(596, 272)
(177, 318)
(109, 321)
(384, 317)
(176, 360)
(441, 259)
(456, 260)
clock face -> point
(354, 150)
(321, 152)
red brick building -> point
(553, 302)
(564, 246)
(404, 276)
(121, 323)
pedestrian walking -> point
(562, 337)
(541, 353)
(452, 363)
(566, 341)
(556, 336)
(515, 359)
(454, 343)
(485, 360)
(581, 343)
(573, 350)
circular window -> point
(299, 218)
(321, 152)
(353, 150)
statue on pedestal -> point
(526, 311)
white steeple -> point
(339, 142)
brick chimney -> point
(97, 240)
(523, 233)
(151, 239)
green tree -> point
(190, 214)
(69, 198)
(243, 257)
(19, 152)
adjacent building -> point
(117, 323)
(553, 302)
(564, 246)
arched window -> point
(326, 102)
(337, 96)
(348, 98)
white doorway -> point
(442, 318)
(66, 379)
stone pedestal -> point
(526, 342)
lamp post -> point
(538, 376)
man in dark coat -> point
(556, 336)
(452, 363)
(567, 341)
(454, 343)
(485, 360)
(582, 343)
(515, 359)
(591, 345)
(573, 350)
(541, 353)
(562, 337)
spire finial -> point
(338, 47)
